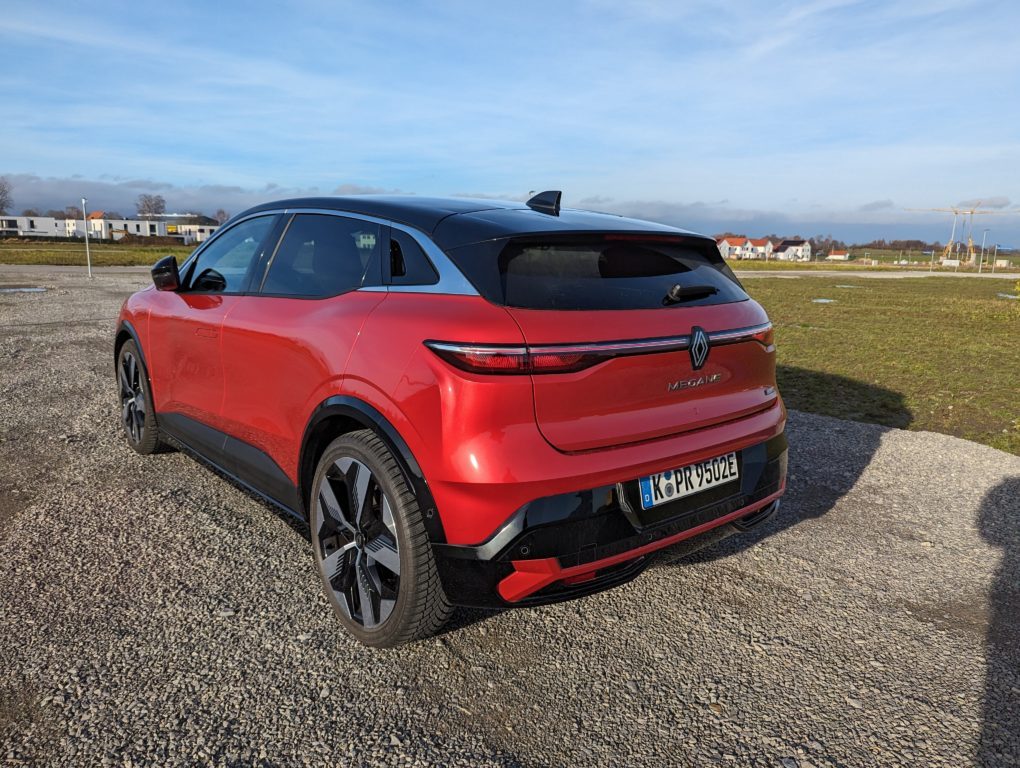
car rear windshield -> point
(596, 272)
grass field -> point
(73, 253)
(926, 353)
(931, 354)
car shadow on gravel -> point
(824, 464)
(999, 521)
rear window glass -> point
(604, 272)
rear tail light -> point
(520, 360)
(766, 337)
(555, 358)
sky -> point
(819, 117)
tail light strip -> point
(566, 358)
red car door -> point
(184, 342)
(285, 349)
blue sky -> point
(815, 117)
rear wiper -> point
(679, 293)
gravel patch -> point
(151, 613)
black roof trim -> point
(422, 213)
(456, 221)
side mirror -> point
(165, 275)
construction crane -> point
(968, 214)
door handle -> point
(206, 333)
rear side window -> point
(408, 264)
(596, 272)
(323, 256)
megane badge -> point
(698, 348)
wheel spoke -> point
(122, 377)
(361, 481)
(387, 516)
(368, 615)
(330, 504)
(383, 551)
(333, 563)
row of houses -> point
(187, 228)
(793, 249)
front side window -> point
(322, 256)
(224, 265)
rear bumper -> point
(561, 547)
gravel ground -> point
(153, 614)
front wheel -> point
(371, 547)
(137, 416)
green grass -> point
(926, 354)
(73, 253)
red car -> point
(470, 402)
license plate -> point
(674, 484)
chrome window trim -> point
(451, 280)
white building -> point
(30, 226)
(186, 228)
(760, 248)
(793, 250)
(734, 247)
(835, 255)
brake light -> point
(766, 337)
(494, 358)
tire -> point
(137, 416)
(370, 545)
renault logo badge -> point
(698, 348)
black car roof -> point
(454, 221)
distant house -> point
(30, 226)
(794, 249)
(188, 228)
(734, 247)
(835, 255)
(760, 248)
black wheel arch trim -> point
(371, 418)
(125, 326)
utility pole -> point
(994, 257)
(982, 261)
(85, 222)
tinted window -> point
(596, 272)
(224, 264)
(323, 256)
(408, 263)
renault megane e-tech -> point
(470, 402)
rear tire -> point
(137, 415)
(370, 545)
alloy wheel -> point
(359, 552)
(132, 397)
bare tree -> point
(53, 213)
(6, 199)
(150, 205)
(72, 212)
(30, 212)
(221, 216)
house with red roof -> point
(733, 247)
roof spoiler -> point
(546, 202)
